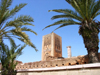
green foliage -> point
(17, 27)
(83, 15)
(8, 56)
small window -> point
(46, 65)
(62, 64)
(77, 63)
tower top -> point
(68, 46)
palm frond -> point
(4, 6)
(25, 38)
(9, 2)
(91, 4)
(12, 42)
(67, 14)
(4, 17)
(27, 29)
(69, 1)
(3, 47)
(8, 14)
(22, 39)
(21, 34)
(13, 49)
(83, 7)
(88, 4)
(24, 18)
(67, 24)
(18, 22)
(97, 14)
(31, 44)
(16, 9)
(19, 50)
(68, 21)
(87, 7)
(78, 6)
(95, 9)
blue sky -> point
(38, 9)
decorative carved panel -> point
(47, 40)
(57, 43)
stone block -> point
(67, 64)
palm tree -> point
(8, 57)
(16, 27)
(84, 15)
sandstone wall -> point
(56, 62)
(53, 62)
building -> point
(51, 46)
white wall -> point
(85, 69)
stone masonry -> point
(51, 46)
(56, 62)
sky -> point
(38, 9)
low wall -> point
(84, 69)
(79, 60)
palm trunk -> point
(93, 56)
(12, 72)
(91, 43)
(0, 41)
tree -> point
(8, 57)
(84, 15)
(17, 27)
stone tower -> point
(51, 46)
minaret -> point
(69, 51)
(51, 46)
